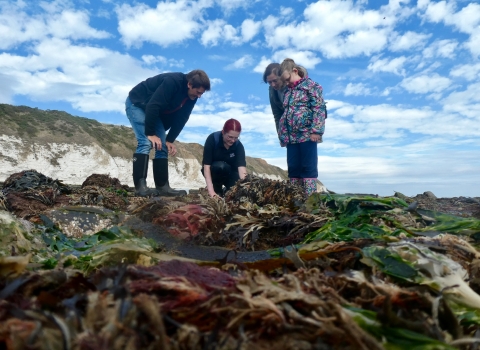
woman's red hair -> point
(232, 124)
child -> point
(302, 125)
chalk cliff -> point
(71, 148)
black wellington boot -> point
(140, 170)
(160, 175)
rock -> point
(429, 195)
(402, 196)
(412, 207)
(83, 220)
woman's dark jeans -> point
(223, 175)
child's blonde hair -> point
(287, 66)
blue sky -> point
(401, 78)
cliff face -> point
(71, 148)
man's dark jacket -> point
(276, 104)
(164, 96)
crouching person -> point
(223, 159)
(157, 105)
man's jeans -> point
(137, 119)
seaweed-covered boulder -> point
(29, 192)
(27, 180)
(262, 191)
(104, 181)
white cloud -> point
(467, 71)
(441, 48)
(473, 44)
(390, 66)
(408, 41)
(216, 81)
(250, 28)
(356, 89)
(230, 5)
(388, 122)
(89, 78)
(242, 62)
(423, 84)
(74, 25)
(466, 102)
(219, 30)
(150, 59)
(213, 33)
(167, 24)
(260, 67)
(252, 119)
(307, 59)
(466, 20)
(337, 29)
(18, 27)
(286, 12)
(437, 11)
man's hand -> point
(172, 150)
(156, 142)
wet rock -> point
(76, 221)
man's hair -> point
(269, 70)
(198, 78)
(232, 124)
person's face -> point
(194, 93)
(288, 78)
(230, 137)
(274, 81)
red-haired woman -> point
(223, 159)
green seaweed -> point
(368, 217)
(394, 338)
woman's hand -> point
(156, 142)
(172, 150)
(242, 172)
(212, 194)
(208, 179)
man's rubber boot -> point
(160, 175)
(140, 170)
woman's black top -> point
(214, 150)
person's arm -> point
(242, 172)
(275, 103)
(241, 162)
(208, 180)
(208, 150)
(315, 94)
(172, 150)
(178, 120)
